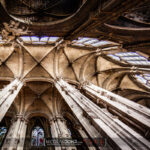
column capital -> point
(21, 117)
(55, 118)
(58, 78)
(60, 117)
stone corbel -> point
(61, 118)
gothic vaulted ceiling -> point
(56, 44)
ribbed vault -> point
(75, 64)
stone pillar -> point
(135, 111)
(60, 131)
(64, 133)
(54, 130)
(22, 135)
(16, 134)
(119, 133)
(8, 95)
(84, 137)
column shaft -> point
(135, 111)
(60, 131)
(117, 131)
(8, 95)
(22, 136)
(63, 128)
(85, 136)
(16, 135)
(54, 132)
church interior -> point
(74, 75)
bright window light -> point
(53, 39)
(39, 40)
(90, 42)
(132, 58)
(144, 79)
(26, 38)
(34, 38)
(44, 39)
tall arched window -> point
(38, 136)
(3, 131)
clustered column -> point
(60, 131)
(8, 95)
(16, 135)
(85, 137)
(132, 112)
(120, 134)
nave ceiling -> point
(114, 21)
(40, 65)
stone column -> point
(54, 131)
(85, 137)
(64, 133)
(8, 95)
(22, 136)
(16, 134)
(135, 111)
(60, 131)
(120, 134)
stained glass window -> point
(3, 131)
(38, 137)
